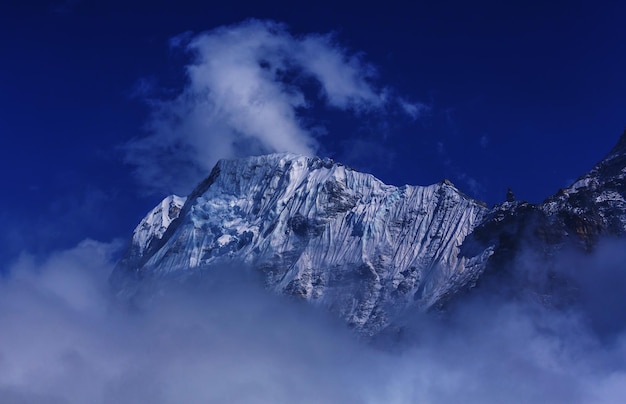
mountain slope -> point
(576, 218)
(335, 237)
(317, 230)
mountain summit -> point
(325, 233)
(315, 229)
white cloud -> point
(484, 141)
(64, 341)
(344, 78)
(248, 88)
(441, 149)
(413, 109)
(473, 185)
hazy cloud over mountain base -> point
(64, 340)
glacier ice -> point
(318, 230)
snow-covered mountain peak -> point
(595, 204)
(156, 222)
(318, 230)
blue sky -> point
(527, 96)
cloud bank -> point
(248, 89)
(64, 340)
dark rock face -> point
(574, 219)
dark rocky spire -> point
(510, 196)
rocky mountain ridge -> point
(578, 216)
(320, 231)
(316, 229)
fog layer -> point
(64, 339)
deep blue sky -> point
(527, 96)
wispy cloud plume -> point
(484, 141)
(248, 89)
